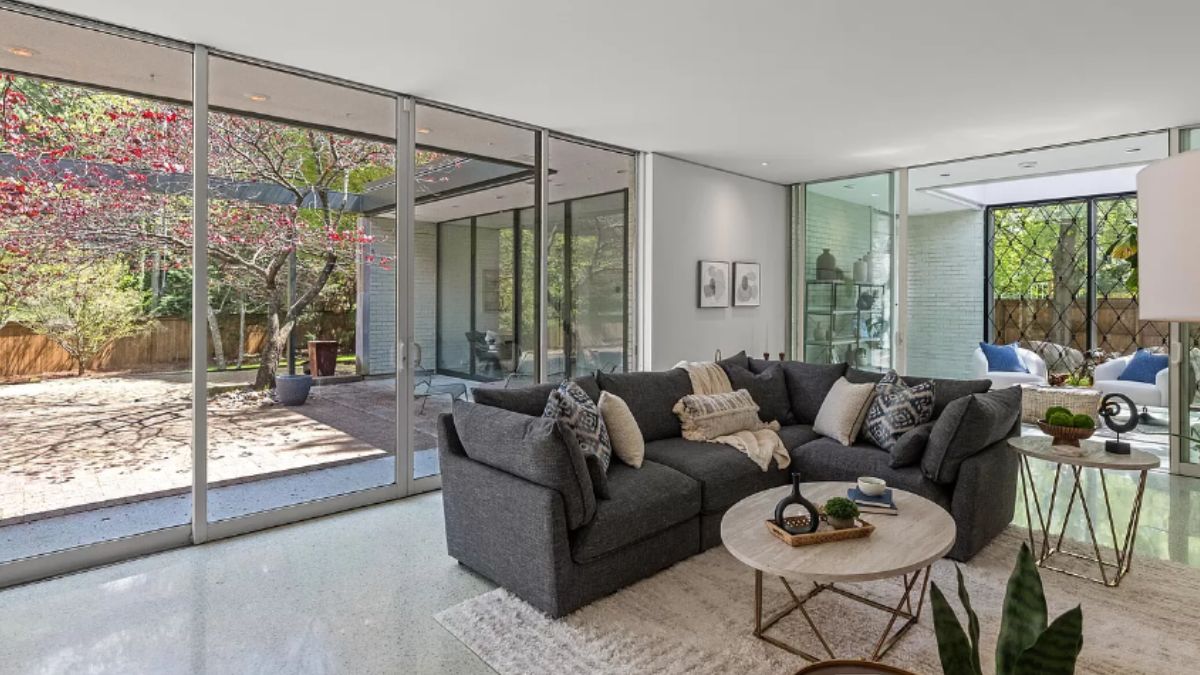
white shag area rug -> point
(697, 617)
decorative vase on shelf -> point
(860, 270)
(826, 266)
(796, 498)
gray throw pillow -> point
(908, 448)
(768, 389)
(808, 384)
(896, 409)
(535, 449)
(967, 426)
(572, 407)
(739, 359)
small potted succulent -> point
(840, 512)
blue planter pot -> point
(292, 389)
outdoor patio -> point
(84, 443)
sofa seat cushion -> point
(795, 435)
(642, 502)
(650, 397)
(725, 475)
(826, 459)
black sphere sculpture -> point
(1110, 407)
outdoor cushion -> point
(807, 385)
(826, 459)
(768, 389)
(944, 391)
(795, 435)
(531, 399)
(644, 501)
(725, 474)
(650, 397)
(579, 416)
(1003, 358)
(532, 448)
(969, 425)
(909, 448)
(1143, 367)
(896, 409)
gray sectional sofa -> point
(519, 508)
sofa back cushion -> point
(739, 359)
(535, 449)
(967, 426)
(768, 388)
(807, 385)
(530, 399)
(650, 397)
(945, 390)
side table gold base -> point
(1045, 551)
(903, 610)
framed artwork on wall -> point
(712, 284)
(747, 284)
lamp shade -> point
(1168, 259)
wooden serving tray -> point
(824, 533)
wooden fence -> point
(165, 345)
(1118, 329)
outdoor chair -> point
(1032, 362)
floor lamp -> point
(1168, 253)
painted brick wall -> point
(425, 259)
(379, 283)
(945, 292)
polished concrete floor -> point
(351, 593)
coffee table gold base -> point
(903, 610)
(1111, 573)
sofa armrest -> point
(1163, 381)
(979, 365)
(510, 530)
(1110, 370)
(984, 498)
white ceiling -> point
(814, 88)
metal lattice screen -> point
(1062, 280)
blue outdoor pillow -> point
(1003, 358)
(1143, 367)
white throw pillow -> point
(623, 430)
(843, 410)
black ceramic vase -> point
(796, 498)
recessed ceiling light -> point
(944, 175)
(422, 130)
(874, 194)
(23, 52)
(621, 171)
(1027, 165)
(499, 196)
(848, 186)
(258, 98)
(1132, 150)
(765, 164)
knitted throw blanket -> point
(713, 396)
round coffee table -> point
(1089, 454)
(903, 545)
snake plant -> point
(1026, 644)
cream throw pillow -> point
(708, 416)
(623, 430)
(843, 411)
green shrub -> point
(840, 507)
(1082, 421)
(1055, 409)
(1061, 419)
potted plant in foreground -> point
(1027, 645)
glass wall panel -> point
(302, 292)
(95, 274)
(475, 266)
(849, 227)
(588, 267)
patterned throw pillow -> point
(704, 417)
(897, 408)
(571, 406)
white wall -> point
(704, 214)
(945, 292)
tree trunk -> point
(269, 358)
(241, 330)
(1066, 285)
(214, 329)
